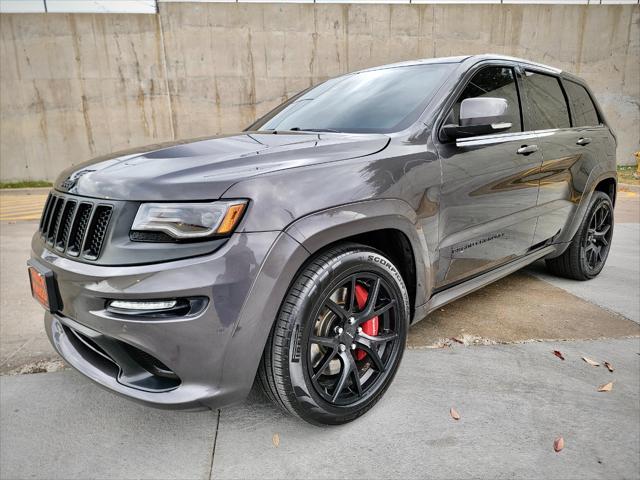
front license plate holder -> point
(44, 287)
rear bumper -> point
(211, 356)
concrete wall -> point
(75, 86)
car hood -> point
(204, 169)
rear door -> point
(489, 189)
(591, 136)
(569, 130)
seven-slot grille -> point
(75, 226)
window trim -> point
(462, 85)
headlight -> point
(189, 220)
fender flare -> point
(319, 229)
(594, 179)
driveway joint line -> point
(215, 440)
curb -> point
(25, 191)
(628, 187)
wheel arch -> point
(600, 180)
(608, 185)
(385, 225)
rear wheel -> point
(589, 248)
(339, 336)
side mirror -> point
(479, 116)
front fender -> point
(288, 255)
(317, 230)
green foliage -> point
(26, 184)
(626, 174)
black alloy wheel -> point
(597, 241)
(339, 337)
(344, 361)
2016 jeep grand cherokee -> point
(300, 250)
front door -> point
(489, 186)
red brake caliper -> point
(370, 327)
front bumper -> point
(212, 356)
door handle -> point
(583, 141)
(527, 149)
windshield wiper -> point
(298, 129)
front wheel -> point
(339, 336)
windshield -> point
(377, 101)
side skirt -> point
(450, 294)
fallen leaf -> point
(591, 362)
(607, 387)
(609, 366)
(276, 440)
(457, 340)
(558, 354)
(454, 414)
(558, 444)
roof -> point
(422, 61)
(460, 59)
(493, 56)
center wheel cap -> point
(347, 336)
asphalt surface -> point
(515, 397)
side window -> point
(496, 82)
(582, 107)
(547, 105)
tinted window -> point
(546, 102)
(384, 100)
(582, 108)
(498, 82)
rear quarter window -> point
(582, 108)
(547, 105)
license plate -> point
(43, 287)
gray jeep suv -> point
(299, 251)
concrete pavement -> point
(23, 343)
(514, 401)
(59, 425)
(614, 288)
(617, 286)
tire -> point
(589, 248)
(308, 366)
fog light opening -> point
(142, 306)
(162, 309)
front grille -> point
(97, 232)
(65, 225)
(76, 228)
